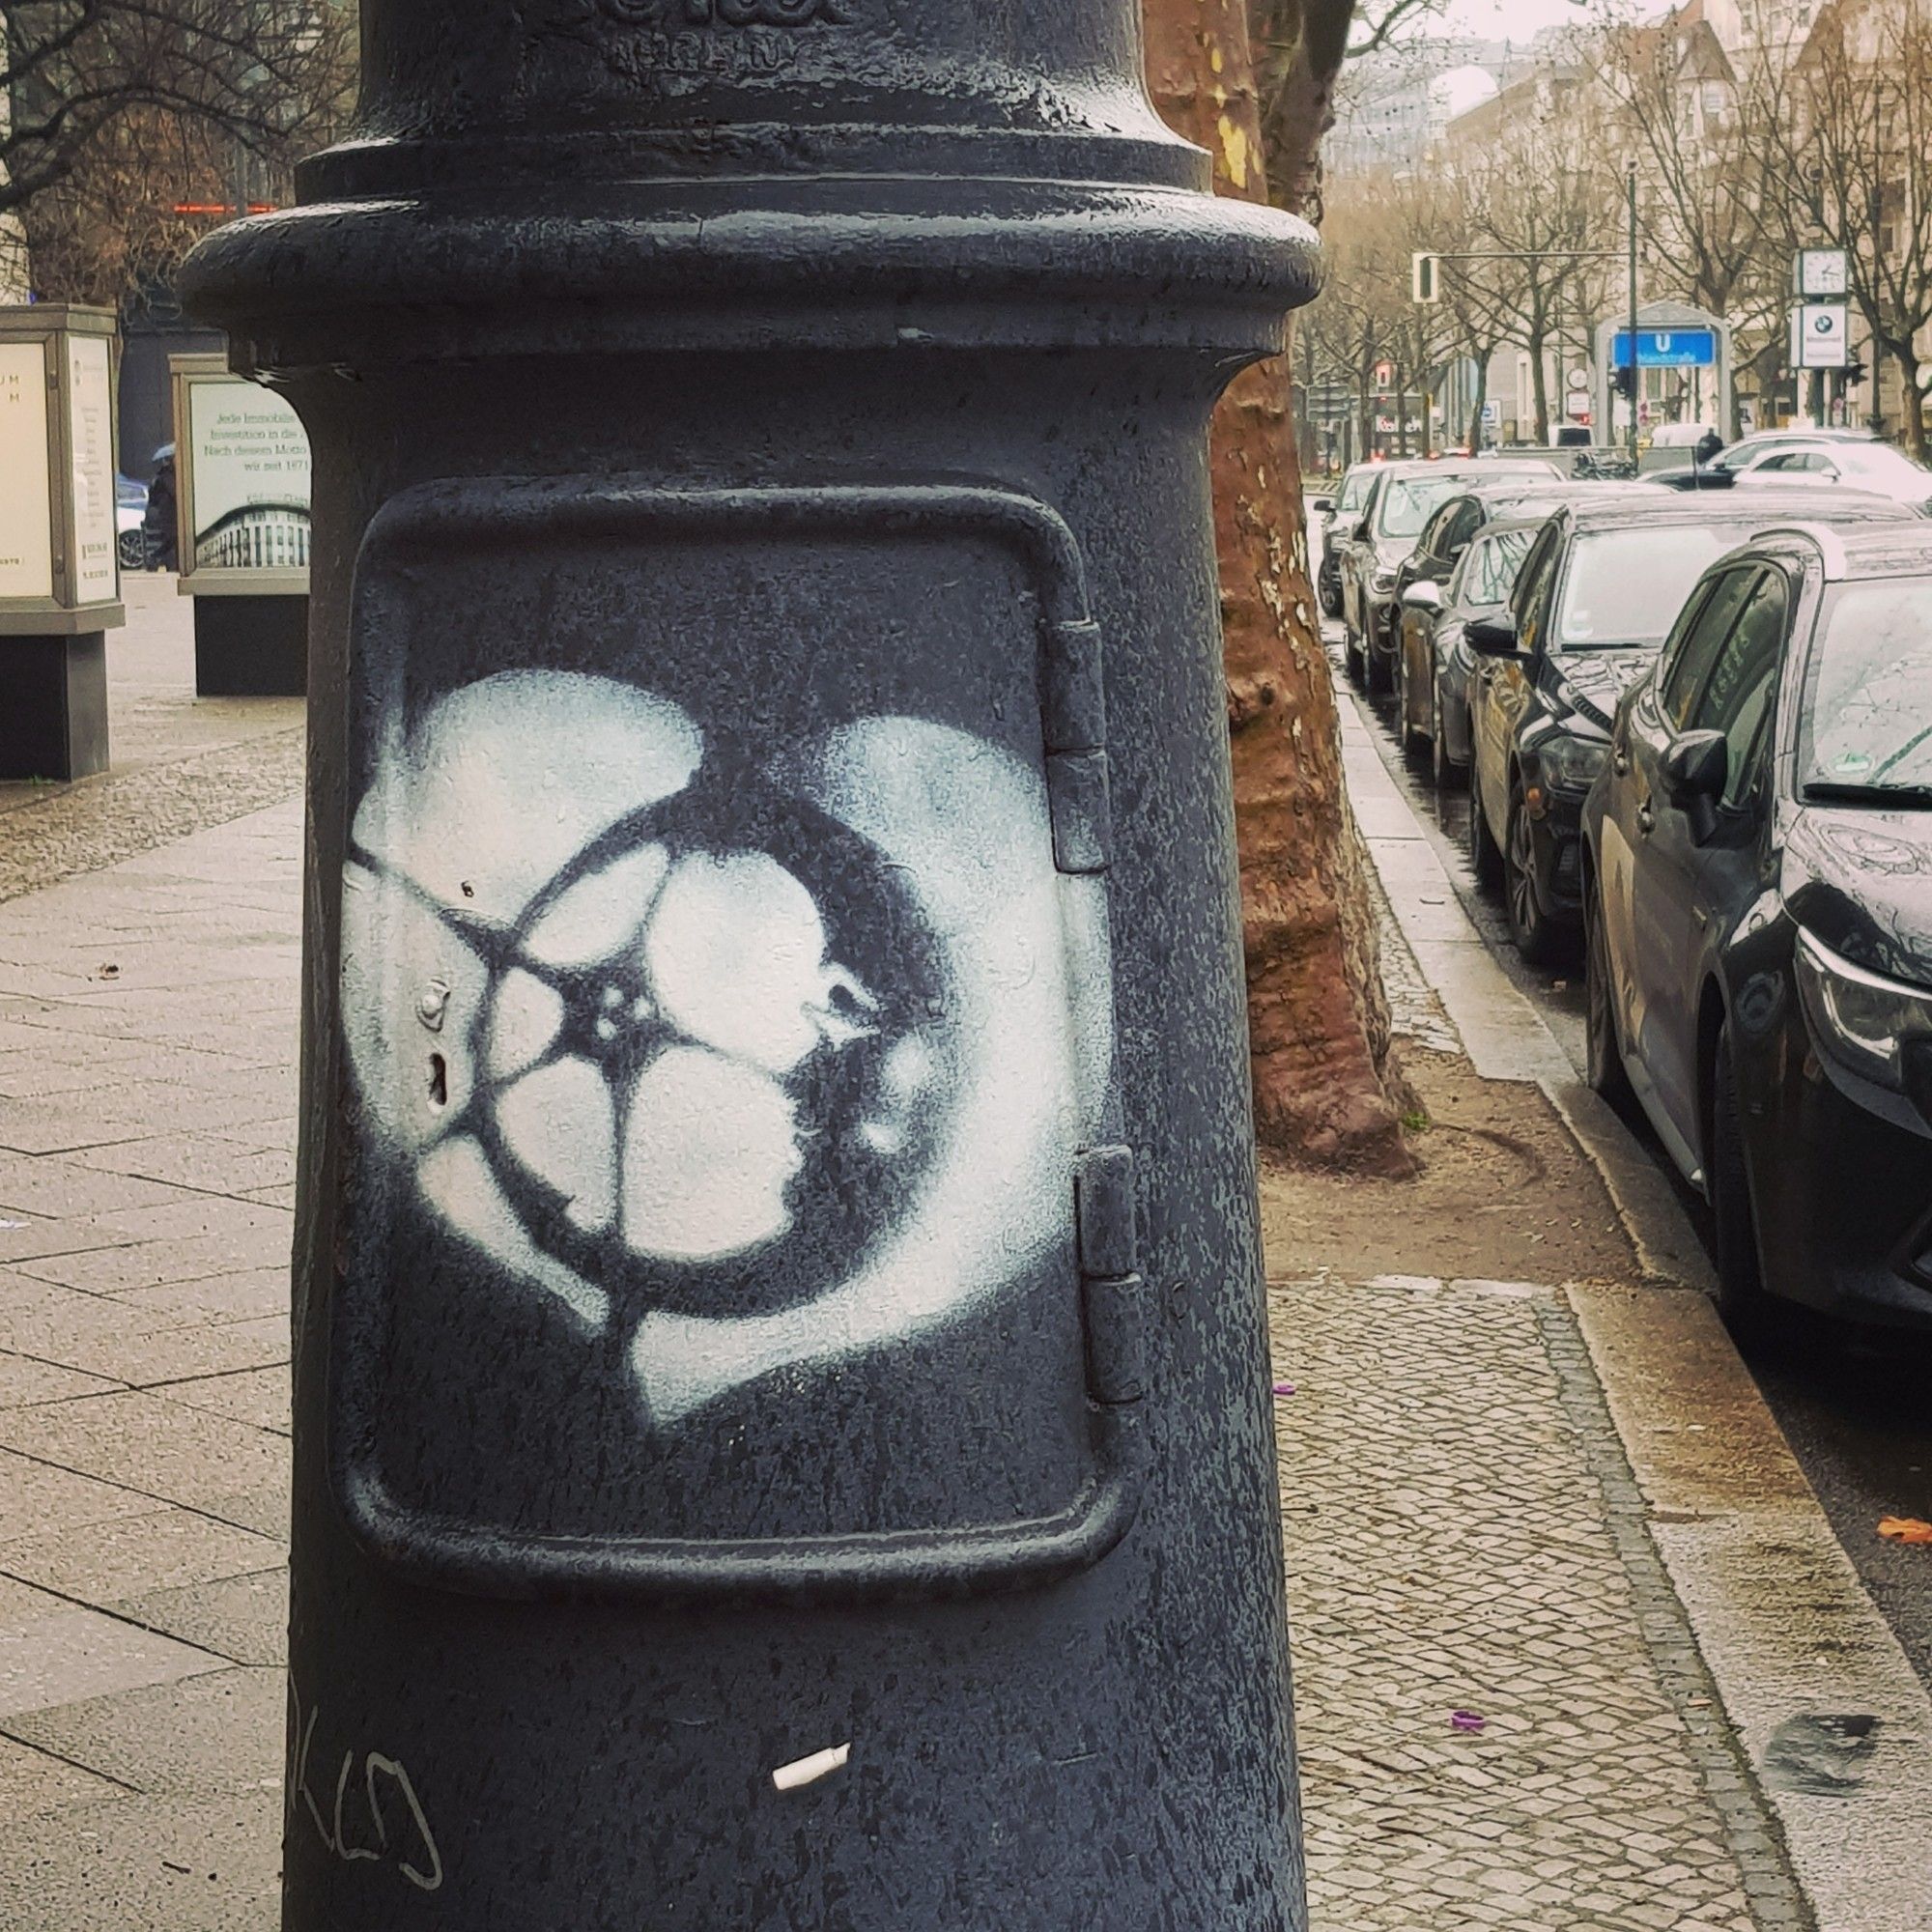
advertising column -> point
(243, 489)
(59, 581)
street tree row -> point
(1743, 154)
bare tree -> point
(1531, 165)
(1298, 50)
(267, 74)
(1702, 128)
(1856, 163)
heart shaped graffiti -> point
(766, 1065)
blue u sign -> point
(1667, 349)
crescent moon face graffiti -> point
(750, 1066)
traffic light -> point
(1425, 278)
(1624, 382)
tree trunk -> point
(1480, 401)
(1318, 1019)
(1306, 41)
(1539, 377)
(1910, 403)
(1307, 450)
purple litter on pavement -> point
(1466, 1721)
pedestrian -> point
(157, 524)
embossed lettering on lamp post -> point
(781, 1421)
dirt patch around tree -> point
(1503, 1193)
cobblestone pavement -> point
(1463, 1536)
(1416, 1007)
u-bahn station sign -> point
(241, 476)
(60, 584)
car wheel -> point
(1603, 1059)
(1329, 594)
(1748, 1311)
(1410, 738)
(1380, 673)
(1538, 937)
(1486, 859)
(131, 547)
(1448, 774)
(1352, 656)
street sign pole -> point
(782, 1417)
(1635, 363)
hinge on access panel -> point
(1110, 1282)
(1073, 713)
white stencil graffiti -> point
(650, 1065)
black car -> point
(1757, 867)
(1401, 499)
(1599, 591)
(1338, 512)
(1435, 560)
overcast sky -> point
(1509, 19)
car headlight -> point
(1381, 580)
(1860, 1018)
(1570, 763)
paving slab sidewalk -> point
(147, 1133)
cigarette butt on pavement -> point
(810, 1769)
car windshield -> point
(1532, 502)
(1866, 719)
(1407, 501)
(1494, 562)
(1354, 487)
(1625, 587)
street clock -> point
(1823, 273)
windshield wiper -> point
(1907, 798)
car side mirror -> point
(1491, 636)
(1694, 767)
(1422, 595)
(1692, 774)
(1323, 506)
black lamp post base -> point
(54, 721)
(251, 646)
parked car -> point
(1757, 868)
(1874, 467)
(1336, 513)
(1755, 447)
(1435, 653)
(1401, 498)
(130, 508)
(1595, 598)
(1431, 567)
(1816, 458)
